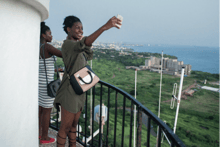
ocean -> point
(205, 59)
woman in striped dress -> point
(45, 102)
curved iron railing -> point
(112, 135)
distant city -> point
(170, 66)
(102, 45)
(56, 43)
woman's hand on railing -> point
(59, 69)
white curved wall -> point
(19, 46)
(41, 5)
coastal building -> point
(140, 56)
(133, 67)
(124, 53)
(211, 88)
(170, 66)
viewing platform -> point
(125, 121)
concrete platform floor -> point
(52, 133)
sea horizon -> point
(205, 59)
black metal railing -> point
(118, 132)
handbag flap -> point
(86, 78)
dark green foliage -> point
(211, 117)
(132, 92)
(126, 60)
(59, 63)
(205, 75)
(153, 85)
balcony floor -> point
(53, 133)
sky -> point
(172, 22)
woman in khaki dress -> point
(74, 48)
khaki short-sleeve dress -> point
(73, 58)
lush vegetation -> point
(205, 75)
(133, 59)
(198, 120)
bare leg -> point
(45, 123)
(40, 120)
(72, 133)
(66, 123)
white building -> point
(170, 66)
(20, 36)
(211, 88)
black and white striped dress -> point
(44, 100)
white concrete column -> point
(19, 48)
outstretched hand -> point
(112, 23)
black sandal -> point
(61, 138)
(71, 141)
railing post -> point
(58, 117)
(86, 119)
(139, 127)
(148, 131)
(123, 122)
(91, 122)
(100, 119)
(131, 120)
(116, 108)
(159, 137)
(172, 144)
(108, 117)
(78, 129)
(93, 101)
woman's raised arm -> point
(111, 23)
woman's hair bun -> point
(42, 24)
(43, 28)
